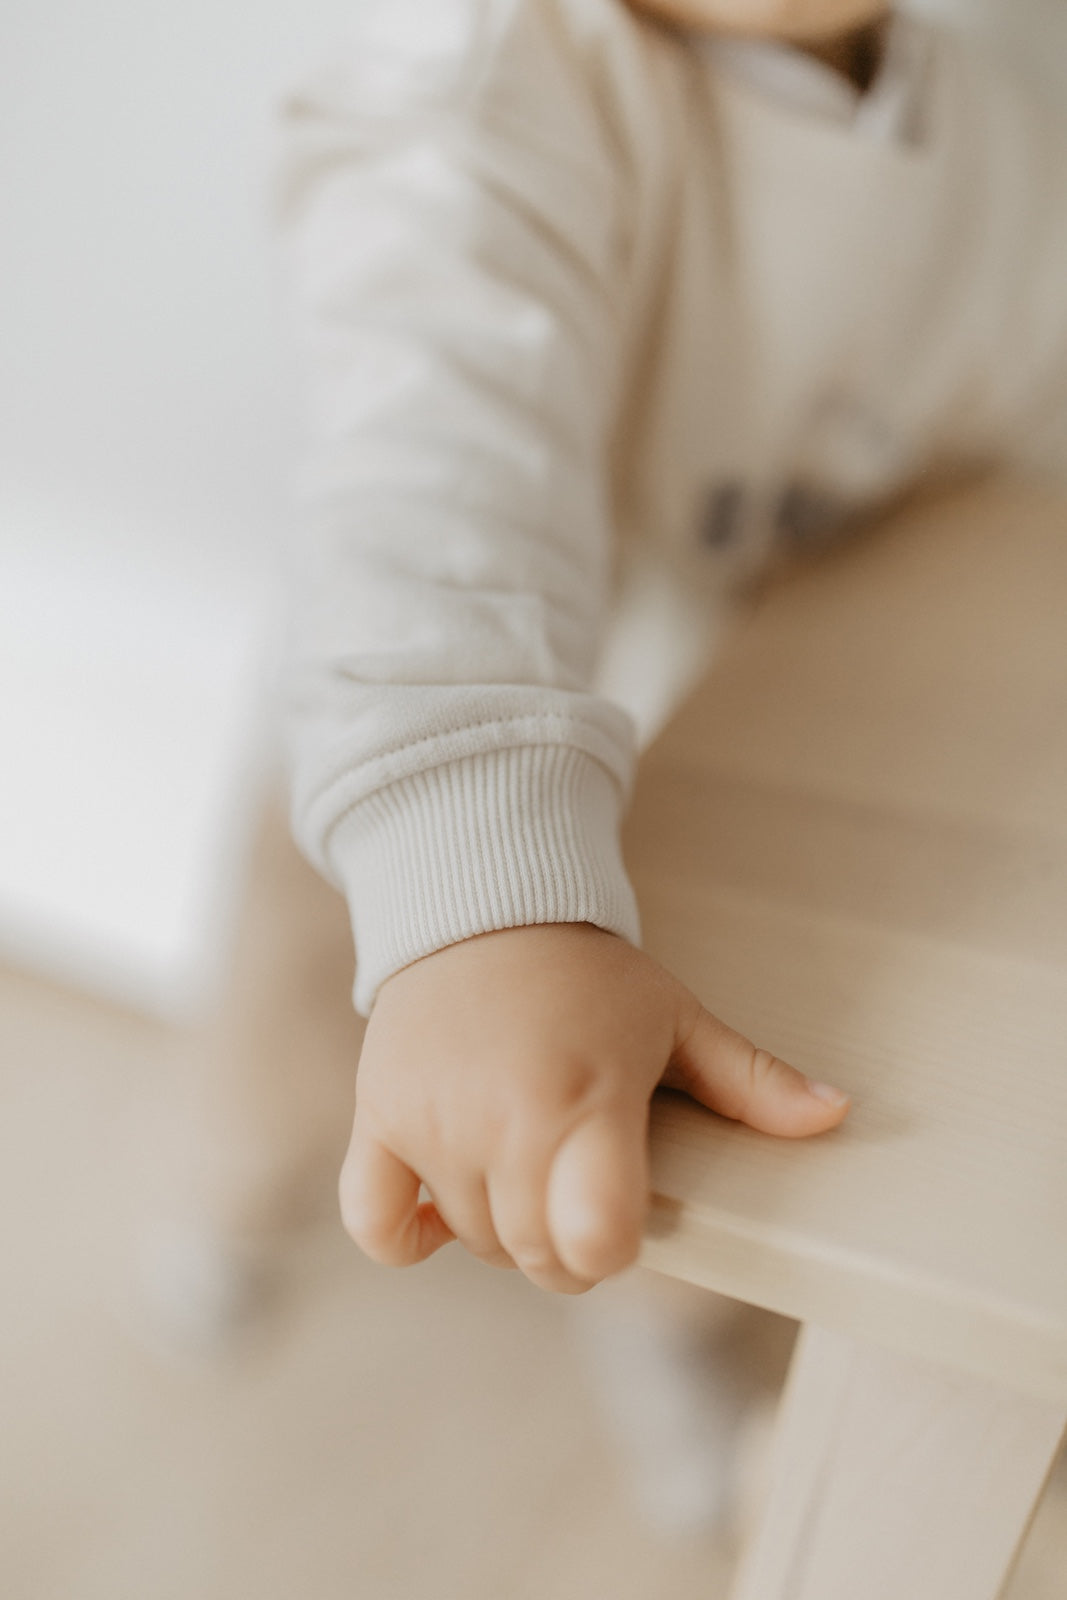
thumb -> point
(726, 1072)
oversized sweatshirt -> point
(567, 284)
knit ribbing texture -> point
(496, 840)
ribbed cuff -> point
(502, 839)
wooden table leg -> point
(895, 1480)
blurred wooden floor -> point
(375, 1436)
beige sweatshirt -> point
(566, 284)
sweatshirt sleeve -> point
(455, 213)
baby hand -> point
(512, 1073)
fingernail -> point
(827, 1093)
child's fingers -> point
(726, 1072)
(465, 1208)
(517, 1195)
(598, 1192)
(380, 1205)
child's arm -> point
(462, 214)
(456, 202)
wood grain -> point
(852, 843)
(895, 1478)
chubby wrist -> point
(541, 942)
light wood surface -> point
(852, 843)
(894, 1478)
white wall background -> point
(145, 434)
